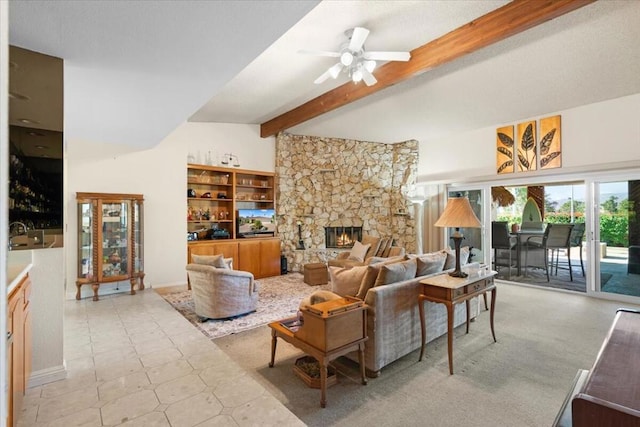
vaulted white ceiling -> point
(135, 70)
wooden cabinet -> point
(228, 248)
(18, 347)
(217, 201)
(110, 240)
(259, 256)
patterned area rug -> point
(279, 297)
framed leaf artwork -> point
(504, 150)
(525, 145)
(550, 143)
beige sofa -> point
(393, 321)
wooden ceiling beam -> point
(497, 25)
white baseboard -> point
(49, 375)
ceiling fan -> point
(355, 60)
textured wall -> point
(332, 182)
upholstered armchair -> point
(219, 293)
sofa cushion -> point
(371, 275)
(346, 281)
(217, 261)
(378, 259)
(396, 272)
(374, 243)
(429, 263)
(387, 249)
(358, 251)
(384, 242)
(451, 257)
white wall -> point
(160, 175)
(593, 136)
(47, 315)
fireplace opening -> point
(341, 237)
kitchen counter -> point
(38, 239)
(18, 264)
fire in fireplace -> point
(341, 237)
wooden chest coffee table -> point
(328, 330)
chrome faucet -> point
(18, 223)
(17, 233)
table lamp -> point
(458, 214)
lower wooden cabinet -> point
(261, 256)
(18, 347)
(258, 256)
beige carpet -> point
(544, 337)
(279, 297)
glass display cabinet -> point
(110, 240)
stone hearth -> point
(333, 182)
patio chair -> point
(575, 240)
(501, 240)
(556, 236)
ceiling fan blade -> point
(333, 71)
(368, 77)
(387, 56)
(319, 53)
(357, 39)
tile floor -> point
(135, 361)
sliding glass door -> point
(616, 237)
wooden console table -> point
(450, 291)
(328, 330)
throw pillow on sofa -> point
(374, 244)
(371, 275)
(384, 244)
(346, 281)
(212, 260)
(358, 251)
(451, 257)
(396, 272)
(430, 263)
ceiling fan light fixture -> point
(346, 58)
(356, 76)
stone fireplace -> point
(341, 237)
(325, 184)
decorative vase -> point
(114, 258)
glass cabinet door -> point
(115, 241)
(85, 240)
(138, 244)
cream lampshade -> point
(458, 214)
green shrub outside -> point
(614, 229)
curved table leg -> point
(323, 382)
(450, 335)
(362, 367)
(274, 343)
(422, 326)
(468, 305)
(493, 308)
